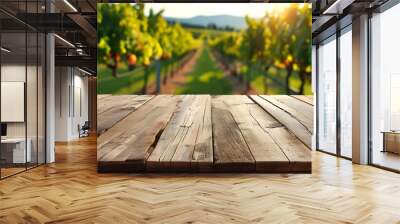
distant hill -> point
(221, 21)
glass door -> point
(14, 144)
(327, 96)
(22, 101)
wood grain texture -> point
(200, 133)
(112, 109)
(102, 96)
(132, 140)
(71, 191)
(298, 109)
(186, 143)
(297, 153)
(267, 154)
(290, 122)
(231, 152)
(305, 98)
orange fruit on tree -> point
(132, 59)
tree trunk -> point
(248, 78)
(172, 69)
(166, 73)
(114, 66)
(146, 79)
(114, 71)
(266, 80)
(158, 75)
(303, 82)
(289, 74)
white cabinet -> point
(17, 146)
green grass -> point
(276, 81)
(130, 82)
(206, 77)
(127, 82)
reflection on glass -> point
(15, 151)
(31, 101)
(41, 99)
(327, 96)
(385, 86)
(22, 90)
(346, 94)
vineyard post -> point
(173, 68)
(303, 76)
(158, 72)
(146, 79)
(166, 72)
(248, 77)
(266, 79)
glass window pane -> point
(13, 86)
(41, 99)
(327, 96)
(346, 93)
(31, 98)
(385, 84)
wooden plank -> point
(231, 153)
(305, 98)
(267, 154)
(301, 111)
(102, 96)
(202, 158)
(186, 143)
(130, 142)
(104, 103)
(297, 153)
(114, 108)
(295, 126)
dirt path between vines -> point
(238, 87)
(179, 77)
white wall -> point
(12, 73)
(70, 83)
(33, 127)
(62, 82)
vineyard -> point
(143, 52)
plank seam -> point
(146, 101)
(197, 136)
(185, 129)
(290, 114)
(267, 131)
(293, 96)
(241, 133)
(108, 109)
(212, 132)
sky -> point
(188, 10)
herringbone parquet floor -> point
(71, 191)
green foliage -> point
(271, 54)
(279, 39)
(124, 31)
